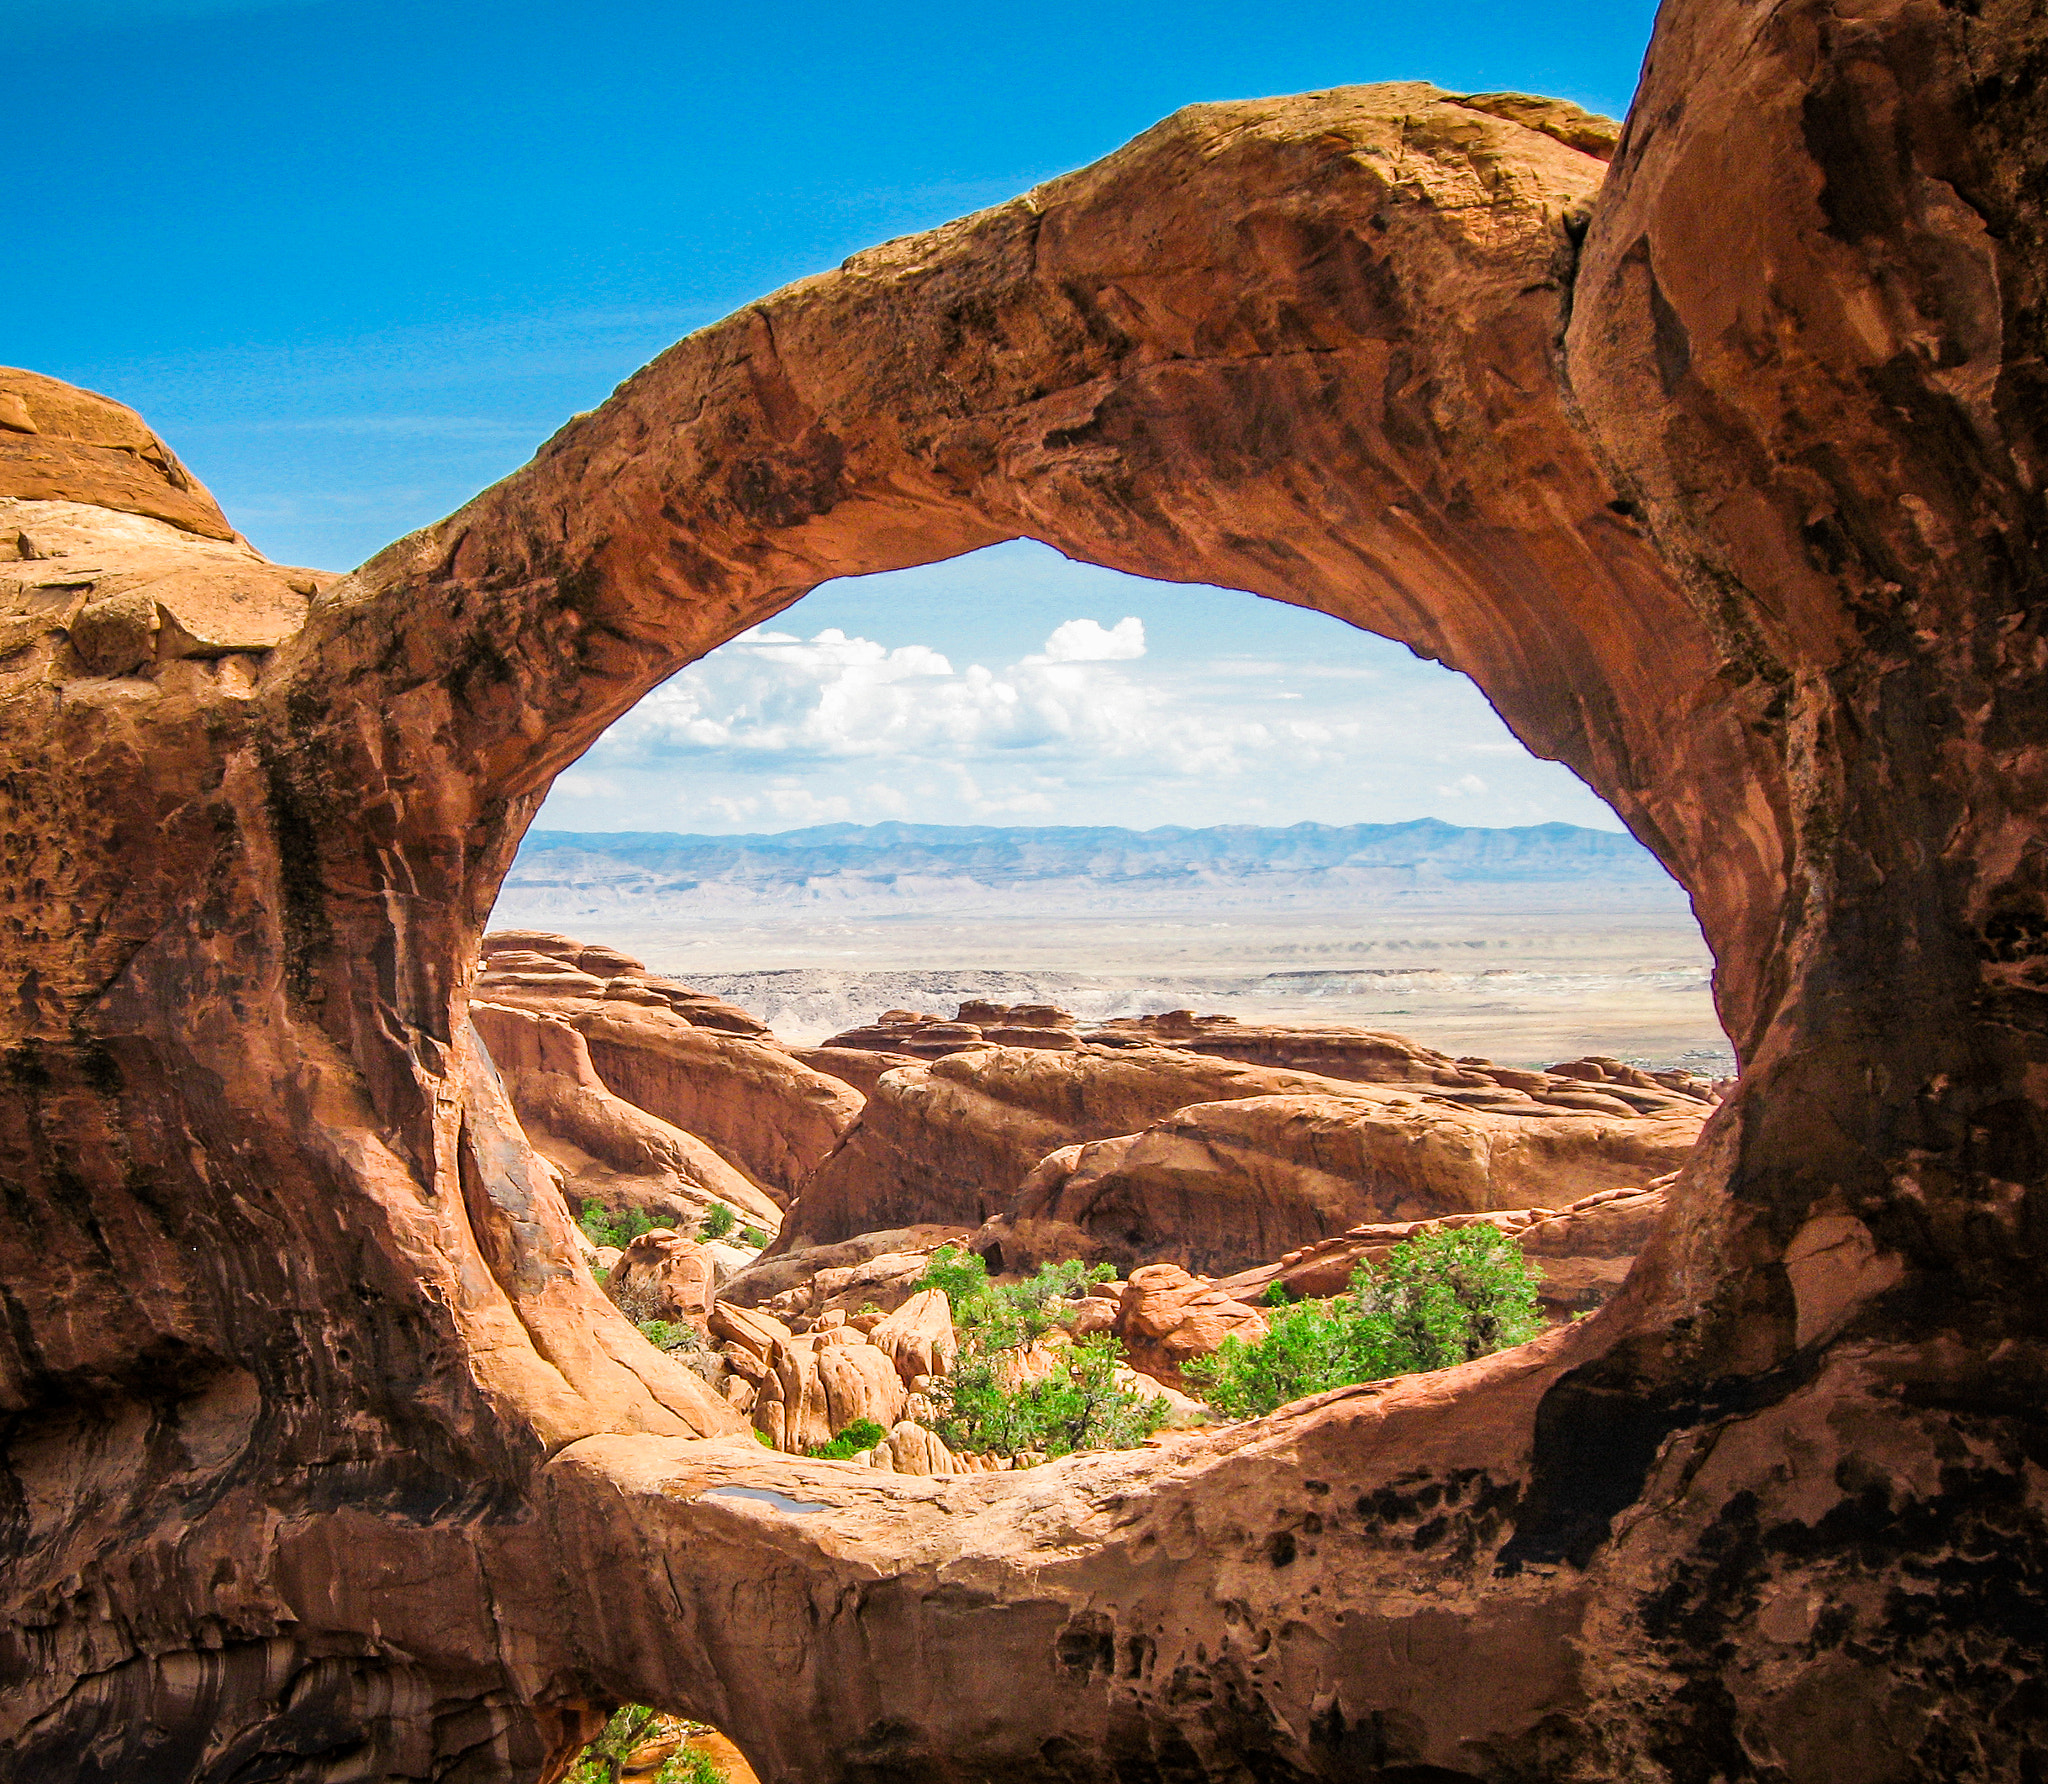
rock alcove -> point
(1712, 455)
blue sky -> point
(355, 260)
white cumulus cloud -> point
(774, 697)
(1102, 724)
(1084, 641)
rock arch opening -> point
(325, 1450)
(922, 786)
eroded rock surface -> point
(1328, 1049)
(810, 1278)
(694, 1061)
(605, 1148)
(1145, 1153)
(534, 966)
(326, 1454)
(663, 1275)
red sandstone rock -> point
(918, 1336)
(860, 1382)
(910, 1034)
(791, 1280)
(859, 1067)
(322, 1441)
(1331, 1050)
(538, 960)
(663, 1275)
(767, 1113)
(1167, 1318)
(883, 1283)
(693, 1061)
(915, 1450)
(62, 445)
(1217, 1186)
(1236, 1162)
(1583, 1252)
(756, 1333)
(606, 1148)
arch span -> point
(326, 1458)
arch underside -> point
(1714, 468)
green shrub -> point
(602, 1761)
(602, 1229)
(763, 1439)
(1439, 1299)
(1082, 1407)
(961, 1274)
(598, 1763)
(753, 1236)
(668, 1335)
(1006, 1314)
(1085, 1407)
(717, 1222)
(862, 1434)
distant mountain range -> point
(561, 875)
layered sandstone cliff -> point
(1718, 466)
(1139, 1153)
(698, 1065)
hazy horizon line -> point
(843, 826)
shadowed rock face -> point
(325, 1456)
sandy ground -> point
(1522, 977)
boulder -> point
(1184, 1412)
(1167, 1318)
(127, 598)
(882, 1283)
(663, 1275)
(860, 1381)
(61, 444)
(757, 1334)
(787, 1278)
(791, 1411)
(1095, 1315)
(727, 1259)
(918, 1337)
(806, 1387)
(915, 1450)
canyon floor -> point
(1525, 981)
(1525, 945)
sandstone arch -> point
(1716, 469)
